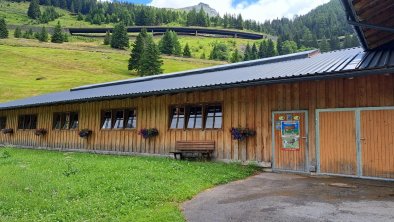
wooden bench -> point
(203, 148)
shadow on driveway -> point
(286, 197)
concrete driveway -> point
(285, 197)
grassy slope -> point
(67, 65)
(16, 13)
(103, 188)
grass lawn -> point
(16, 14)
(39, 185)
(67, 65)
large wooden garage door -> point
(377, 143)
(338, 142)
(356, 142)
(290, 141)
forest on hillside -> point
(324, 27)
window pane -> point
(74, 121)
(178, 118)
(66, 120)
(107, 120)
(181, 118)
(57, 123)
(33, 122)
(131, 119)
(209, 123)
(214, 117)
(21, 121)
(194, 120)
(27, 122)
(3, 122)
(218, 122)
(119, 120)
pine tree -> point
(18, 32)
(58, 36)
(186, 51)
(34, 10)
(138, 49)
(3, 29)
(177, 45)
(120, 38)
(279, 46)
(247, 53)
(165, 44)
(254, 52)
(263, 49)
(235, 57)
(347, 43)
(43, 36)
(107, 38)
(28, 34)
(151, 62)
(334, 43)
(271, 48)
(324, 46)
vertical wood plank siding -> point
(245, 107)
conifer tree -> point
(271, 48)
(324, 46)
(138, 49)
(254, 52)
(177, 45)
(120, 38)
(28, 34)
(235, 57)
(43, 36)
(347, 43)
(58, 36)
(107, 38)
(247, 53)
(186, 51)
(279, 46)
(18, 32)
(151, 62)
(166, 44)
(34, 10)
(334, 43)
(3, 29)
(263, 49)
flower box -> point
(148, 133)
(85, 133)
(40, 132)
(7, 131)
(242, 133)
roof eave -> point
(286, 79)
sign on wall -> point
(290, 131)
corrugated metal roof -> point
(281, 68)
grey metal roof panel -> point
(282, 67)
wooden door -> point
(290, 141)
(337, 142)
(377, 143)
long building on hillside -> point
(330, 113)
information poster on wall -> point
(290, 134)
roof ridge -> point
(281, 58)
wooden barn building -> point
(329, 113)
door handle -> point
(304, 137)
(362, 138)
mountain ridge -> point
(207, 9)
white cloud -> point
(260, 10)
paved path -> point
(283, 197)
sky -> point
(259, 10)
